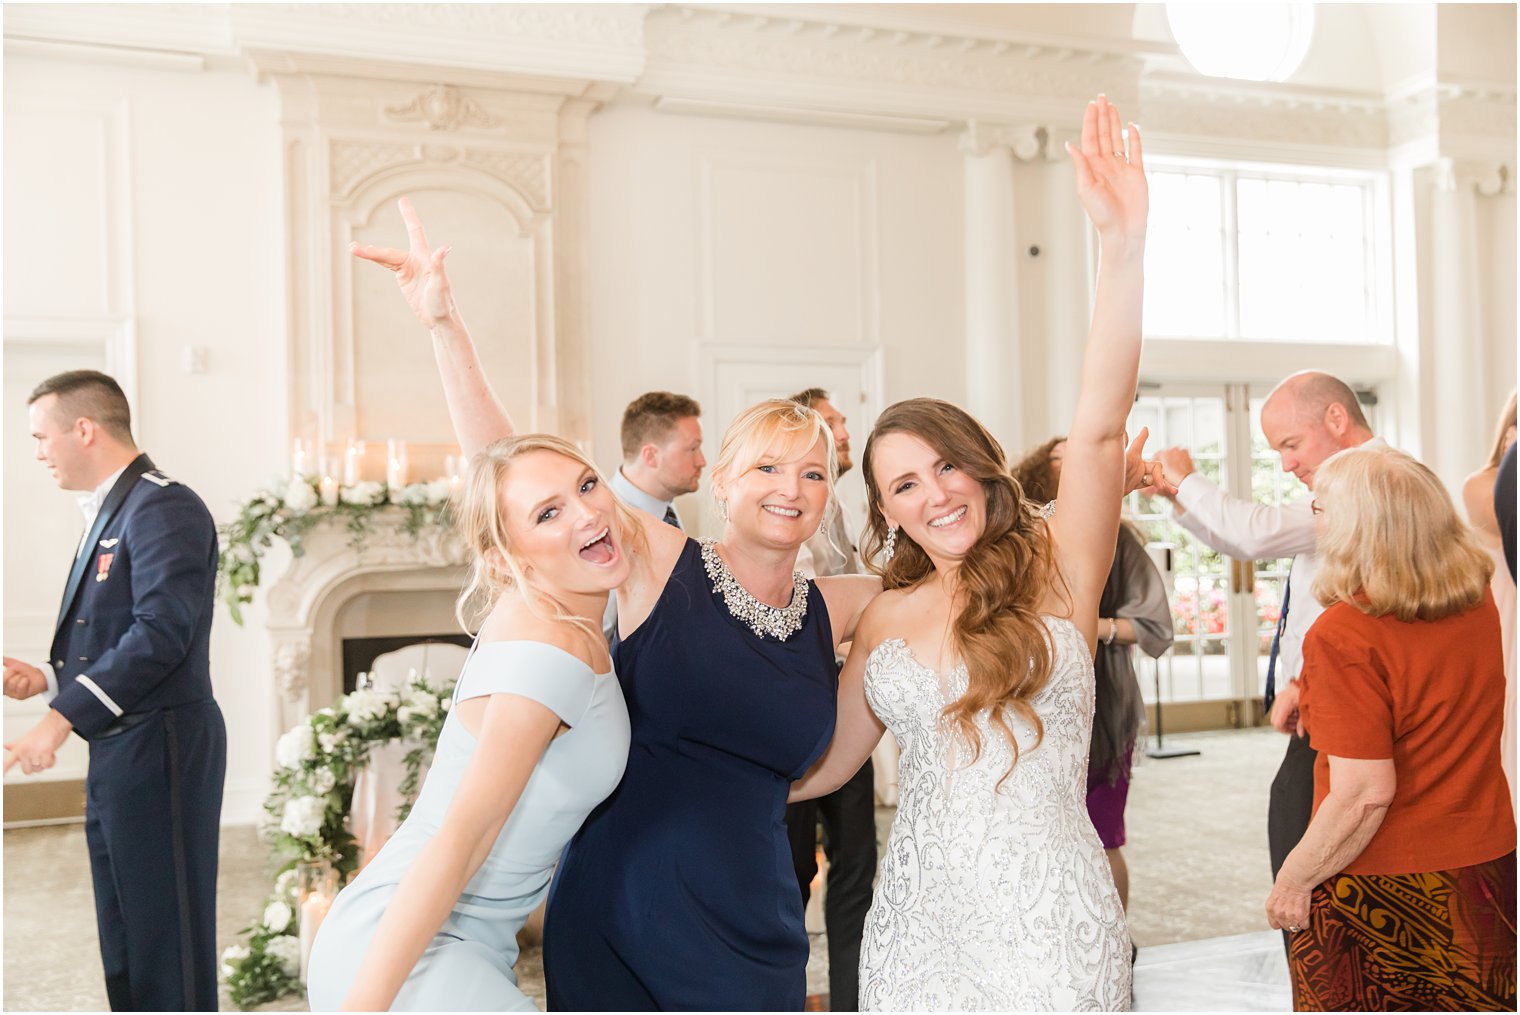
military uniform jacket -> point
(134, 629)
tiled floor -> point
(1197, 857)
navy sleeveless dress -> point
(678, 892)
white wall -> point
(705, 231)
(150, 197)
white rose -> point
(303, 816)
(403, 715)
(413, 494)
(286, 884)
(326, 711)
(295, 747)
(363, 494)
(287, 949)
(300, 497)
(448, 703)
(423, 702)
(329, 741)
(437, 492)
(367, 706)
(322, 781)
(277, 916)
(245, 592)
(233, 955)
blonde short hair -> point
(775, 430)
(1391, 541)
(482, 523)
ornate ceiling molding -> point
(812, 58)
(1487, 179)
(880, 67)
(1209, 108)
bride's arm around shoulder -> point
(856, 728)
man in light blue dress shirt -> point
(662, 459)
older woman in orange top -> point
(1401, 895)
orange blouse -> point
(1428, 694)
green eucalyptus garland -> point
(290, 514)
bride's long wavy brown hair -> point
(1002, 579)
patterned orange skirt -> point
(1443, 941)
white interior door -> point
(739, 376)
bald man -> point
(1307, 418)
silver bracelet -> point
(1113, 630)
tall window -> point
(1262, 255)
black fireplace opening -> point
(359, 654)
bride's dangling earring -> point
(723, 509)
(891, 544)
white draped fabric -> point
(377, 789)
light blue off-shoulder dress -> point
(468, 965)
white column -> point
(993, 379)
(1459, 322)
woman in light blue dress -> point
(536, 738)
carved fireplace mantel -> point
(417, 578)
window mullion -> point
(1230, 240)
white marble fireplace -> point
(393, 585)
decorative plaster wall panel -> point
(805, 226)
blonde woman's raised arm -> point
(474, 409)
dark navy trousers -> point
(153, 801)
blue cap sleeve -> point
(550, 676)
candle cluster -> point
(333, 471)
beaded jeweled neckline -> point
(780, 623)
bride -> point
(994, 892)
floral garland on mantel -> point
(291, 514)
(306, 819)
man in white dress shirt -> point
(1306, 419)
(662, 459)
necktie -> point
(1282, 624)
(670, 517)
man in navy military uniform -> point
(131, 675)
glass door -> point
(1223, 610)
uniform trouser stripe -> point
(181, 872)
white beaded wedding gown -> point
(991, 900)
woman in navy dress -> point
(678, 893)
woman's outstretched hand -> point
(1110, 182)
(1139, 472)
(419, 270)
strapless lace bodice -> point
(991, 897)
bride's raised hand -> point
(1110, 181)
(419, 270)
